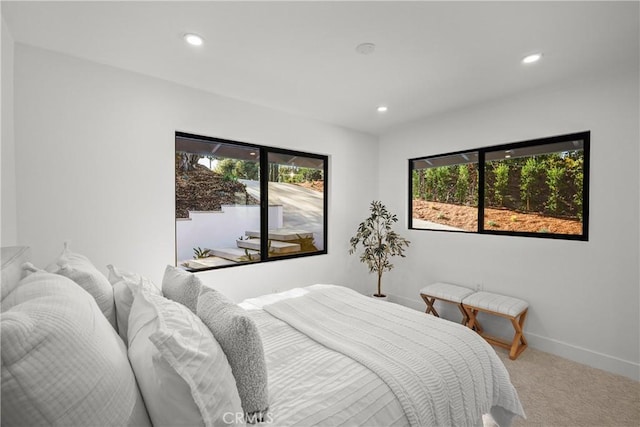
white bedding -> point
(328, 376)
(311, 385)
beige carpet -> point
(560, 393)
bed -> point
(392, 366)
(332, 357)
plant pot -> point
(381, 297)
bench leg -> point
(519, 341)
(465, 315)
(430, 308)
(472, 316)
(515, 347)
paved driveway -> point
(302, 207)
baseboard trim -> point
(576, 353)
(585, 356)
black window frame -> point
(584, 136)
(264, 199)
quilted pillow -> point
(238, 336)
(125, 285)
(183, 373)
(181, 286)
(79, 269)
(62, 363)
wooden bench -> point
(511, 308)
(448, 293)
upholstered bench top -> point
(496, 303)
(447, 291)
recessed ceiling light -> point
(193, 39)
(530, 59)
(365, 48)
(382, 109)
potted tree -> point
(379, 241)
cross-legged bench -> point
(449, 293)
(511, 308)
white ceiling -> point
(300, 56)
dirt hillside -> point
(201, 189)
(466, 218)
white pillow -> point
(181, 286)
(79, 269)
(62, 363)
(125, 285)
(183, 373)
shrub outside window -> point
(441, 182)
(535, 188)
(229, 194)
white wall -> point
(8, 232)
(584, 296)
(220, 229)
(95, 165)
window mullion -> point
(481, 186)
(264, 203)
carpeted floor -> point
(557, 392)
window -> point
(441, 183)
(535, 188)
(229, 194)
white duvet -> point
(335, 358)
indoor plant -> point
(379, 241)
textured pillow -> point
(79, 269)
(181, 286)
(62, 363)
(183, 373)
(12, 259)
(238, 336)
(125, 285)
